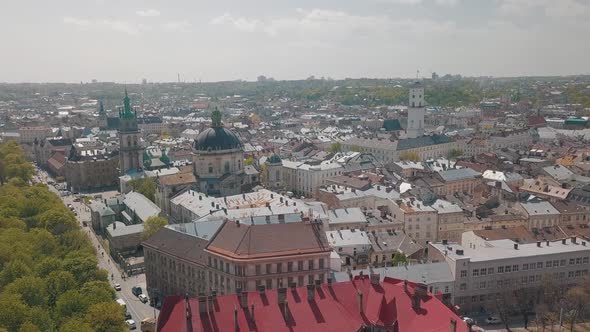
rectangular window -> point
(524, 279)
(539, 265)
(279, 267)
(570, 274)
(531, 278)
(482, 272)
(548, 264)
(507, 268)
(257, 270)
(311, 267)
(321, 263)
(500, 269)
(475, 272)
(310, 279)
(538, 277)
(490, 270)
(578, 260)
(555, 263)
(299, 265)
(482, 285)
(267, 268)
(268, 283)
(514, 268)
(290, 266)
(572, 261)
(525, 266)
(463, 286)
(585, 260)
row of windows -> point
(268, 268)
(523, 280)
(525, 267)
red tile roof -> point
(335, 307)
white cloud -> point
(446, 2)
(551, 8)
(76, 21)
(148, 13)
(176, 25)
(240, 23)
(108, 24)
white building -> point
(352, 245)
(416, 111)
(482, 268)
(305, 179)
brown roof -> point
(243, 241)
(520, 234)
(567, 207)
(178, 244)
(349, 181)
(176, 179)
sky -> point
(127, 40)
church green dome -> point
(216, 139)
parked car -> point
(493, 320)
(127, 315)
(143, 298)
(117, 287)
(131, 324)
(468, 320)
(136, 290)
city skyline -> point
(226, 40)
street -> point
(135, 307)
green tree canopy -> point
(145, 186)
(152, 225)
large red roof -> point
(335, 307)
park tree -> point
(249, 161)
(106, 317)
(409, 156)
(145, 186)
(335, 147)
(13, 312)
(75, 325)
(152, 225)
(31, 290)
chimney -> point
(405, 286)
(210, 303)
(114, 225)
(445, 242)
(212, 204)
(539, 244)
(236, 324)
(453, 325)
(329, 281)
(375, 278)
(200, 198)
(563, 241)
(238, 223)
(243, 296)
(202, 304)
(574, 240)
(282, 295)
(286, 312)
(419, 292)
(281, 199)
(516, 246)
(360, 301)
(310, 292)
(547, 243)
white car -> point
(493, 320)
(117, 287)
(468, 320)
(143, 298)
(131, 324)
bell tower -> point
(130, 149)
(415, 127)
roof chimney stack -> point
(360, 301)
(310, 292)
(574, 240)
(453, 325)
(202, 304)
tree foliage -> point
(409, 156)
(152, 225)
(49, 279)
(335, 147)
(145, 186)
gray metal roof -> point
(419, 273)
(458, 174)
(141, 205)
(123, 230)
(201, 229)
(412, 143)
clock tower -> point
(130, 149)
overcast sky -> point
(125, 41)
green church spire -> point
(216, 118)
(127, 113)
